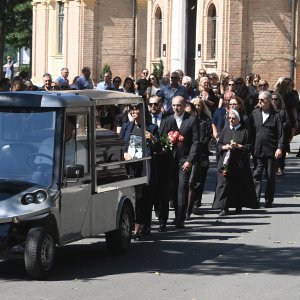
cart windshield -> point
(27, 145)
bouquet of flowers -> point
(225, 168)
(168, 141)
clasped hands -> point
(232, 145)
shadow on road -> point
(188, 251)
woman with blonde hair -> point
(207, 94)
(285, 87)
(279, 107)
(199, 170)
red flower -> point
(180, 138)
(176, 134)
(175, 137)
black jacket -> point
(267, 137)
(188, 150)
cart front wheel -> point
(39, 253)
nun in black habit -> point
(235, 187)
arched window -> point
(211, 32)
(158, 33)
(60, 27)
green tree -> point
(158, 69)
(105, 69)
(15, 25)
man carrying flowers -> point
(181, 128)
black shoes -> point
(269, 204)
(180, 225)
(137, 237)
(238, 210)
(146, 231)
(162, 228)
(298, 154)
(197, 210)
(224, 212)
(188, 217)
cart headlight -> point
(29, 198)
(37, 197)
(40, 197)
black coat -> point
(237, 188)
(188, 150)
(267, 137)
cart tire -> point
(39, 253)
(118, 241)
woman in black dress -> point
(200, 169)
(279, 106)
(235, 187)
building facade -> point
(232, 36)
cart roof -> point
(43, 99)
(107, 97)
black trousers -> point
(181, 199)
(200, 188)
(261, 164)
(158, 193)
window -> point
(211, 32)
(158, 34)
(60, 26)
(77, 145)
(111, 164)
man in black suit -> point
(266, 131)
(161, 166)
(185, 154)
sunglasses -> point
(152, 78)
(231, 84)
(145, 73)
(174, 77)
(153, 104)
(117, 81)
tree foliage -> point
(158, 69)
(105, 69)
(15, 24)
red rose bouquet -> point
(168, 141)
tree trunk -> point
(2, 41)
(3, 11)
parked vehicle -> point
(62, 175)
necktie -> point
(155, 119)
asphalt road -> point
(255, 255)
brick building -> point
(234, 36)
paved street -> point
(252, 256)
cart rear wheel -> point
(118, 241)
(39, 253)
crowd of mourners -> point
(247, 123)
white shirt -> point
(235, 127)
(179, 119)
(265, 116)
